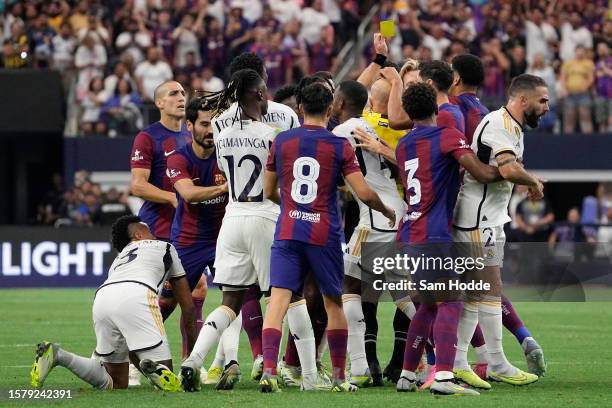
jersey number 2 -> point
(244, 196)
(304, 187)
(413, 184)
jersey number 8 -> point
(304, 187)
(412, 183)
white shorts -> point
(243, 252)
(352, 258)
(126, 318)
(487, 243)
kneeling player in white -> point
(349, 101)
(127, 321)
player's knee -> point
(352, 285)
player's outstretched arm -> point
(481, 172)
(398, 118)
(195, 194)
(511, 170)
(371, 144)
(369, 196)
(271, 186)
(182, 294)
(370, 74)
(141, 187)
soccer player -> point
(150, 150)
(481, 213)
(126, 316)
(202, 197)
(309, 163)
(281, 117)
(440, 75)
(429, 158)
(278, 115)
(468, 76)
(349, 102)
(243, 247)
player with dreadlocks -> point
(246, 235)
(278, 116)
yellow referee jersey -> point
(380, 123)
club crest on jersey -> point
(219, 179)
(172, 173)
(137, 156)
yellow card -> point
(387, 28)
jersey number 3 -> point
(305, 174)
(412, 183)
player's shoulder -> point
(279, 107)
(148, 244)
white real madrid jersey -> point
(486, 205)
(377, 175)
(149, 262)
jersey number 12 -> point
(257, 167)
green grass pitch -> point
(575, 338)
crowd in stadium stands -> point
(119, 51)
(82, 205)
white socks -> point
(467, 324)
(87, 369)
(356, 333)
(303, 336)
(231, 339)
(490, 318)
(405, 305)
(216, 322)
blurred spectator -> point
(603, 85)
(187, 39)
(41, 37)
(278, 63)
(577, 76)
(90, 60)
(114, 205)
(237, 34)
(91, 122)
(211, 83)
(297, 47)
(268, 21)
(13, 16)
(573, 35)
(120, 71)
(16, 49)
(191, 67)
(214, 47)
(436, 42)
(96, 30)
(78, 19)
(63, 46)
(150, 73)
(134, 40)
(544, 70)
(49, 209)
(121, 112)
(518, 63)
(285, 10)
(562, 240)
(250, 10)
(313, 22)
(162, 35)
(322, 54)
(533, 219)
(496, 66)
(539, 35)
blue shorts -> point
(194, 259)
(291, 261)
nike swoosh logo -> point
(194, 179)
(253, 318)
(169, 153)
